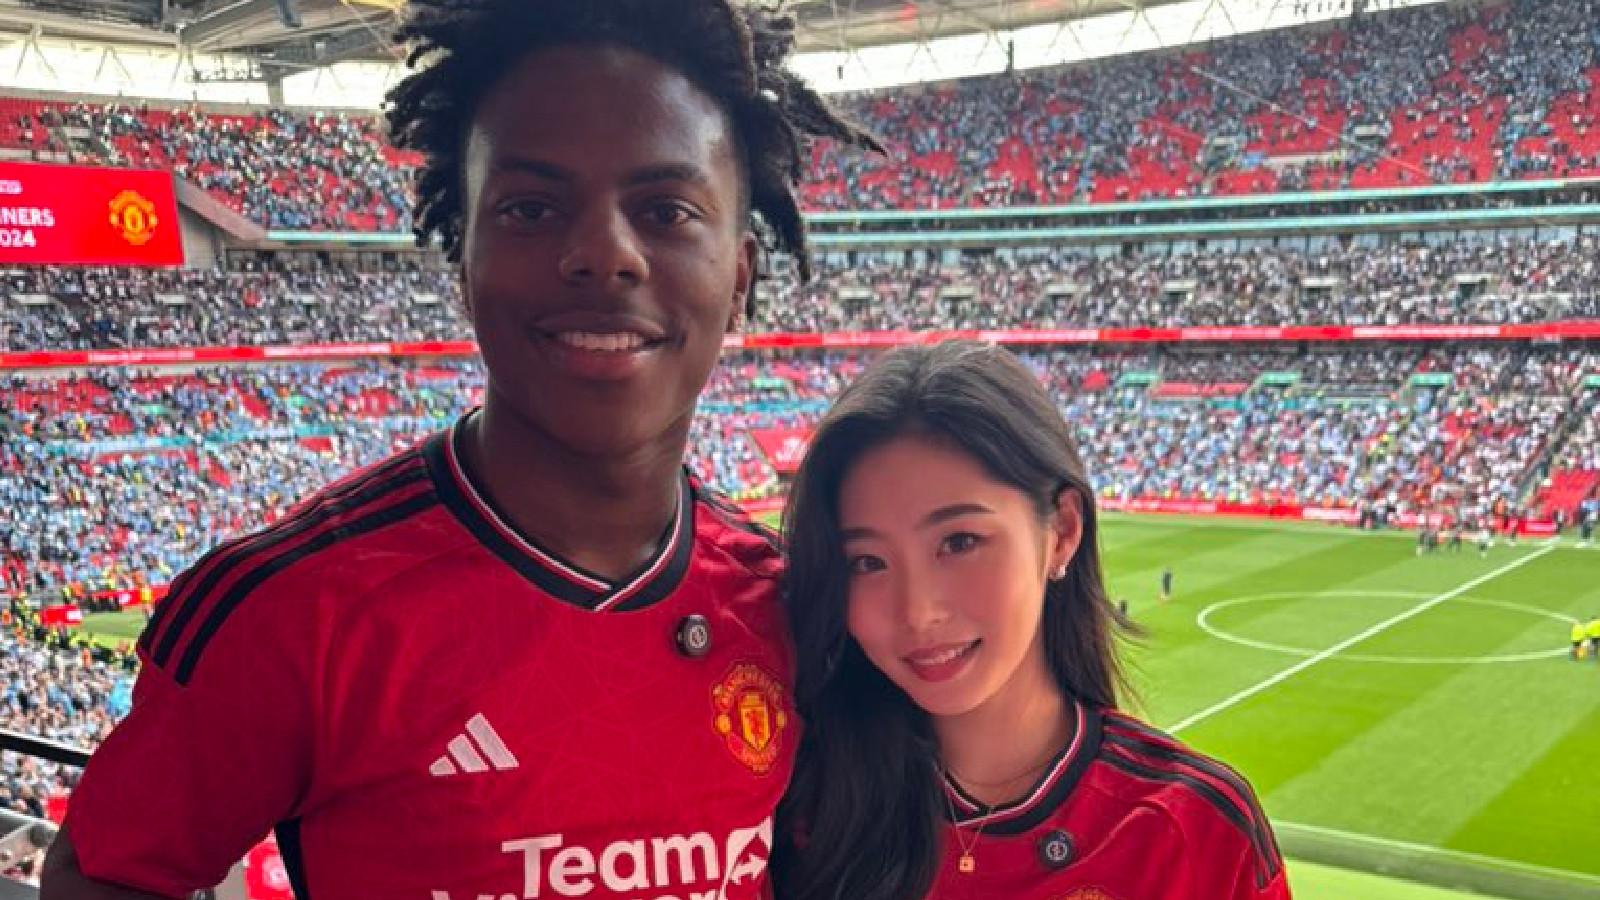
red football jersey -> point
(1123, 813)
(427, 706)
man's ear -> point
(745, 280)
(466, 291)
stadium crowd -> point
(280, 168)
(1483, 282)
(98, 308)
(111, 480)
(1446, 93)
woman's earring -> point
(1059, 573)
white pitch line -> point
(1349, 642)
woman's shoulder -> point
(1208, 800)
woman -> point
(957, 667)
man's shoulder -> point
(316, 543)
(723, 527)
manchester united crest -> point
(750, 716)
(135, 217)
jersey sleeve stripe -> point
(404, 507)
(1162, 746)
(240, 558)
(1267, 861)
(173, 614)
(1222, 787)
(1230, 783)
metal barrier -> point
(24, 836)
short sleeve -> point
(201, 770)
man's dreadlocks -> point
(460, 49)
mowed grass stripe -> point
(1414, 752)
(1423, 769)
(1551, 804)
(1550, 812)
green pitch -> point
(115, 629)
(1407, 714)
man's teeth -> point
(615, 342)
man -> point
(1580, 632)
(531, 657)
(1594, 638)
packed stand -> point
(282, 169)
(111, 480)
(1478, 282)
(1472, 440)
(1497, 282)
(1448, 93)
(114, 308)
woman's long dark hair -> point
(862, 818)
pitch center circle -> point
(1221, 634)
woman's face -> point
(948, 569)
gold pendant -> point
(967, 864)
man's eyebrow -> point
(673, 171)
(685, 172)
(536, 167)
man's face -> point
(606, 246)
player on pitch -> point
(531, 657)
(957, 668)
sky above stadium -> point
(83, 67)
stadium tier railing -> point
(1541, 331)
(23, 837)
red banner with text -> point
(56, 616)
(73, 215)
(784, 447)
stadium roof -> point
(315, 32)
(338, 54)
(853, 24)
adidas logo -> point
(466, 752)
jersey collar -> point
(547, 570)
(1047, 794)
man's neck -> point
(605, 514)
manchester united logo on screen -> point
(135, 217)
(750, 716)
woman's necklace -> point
(966, 863)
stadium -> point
(1315, 283)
